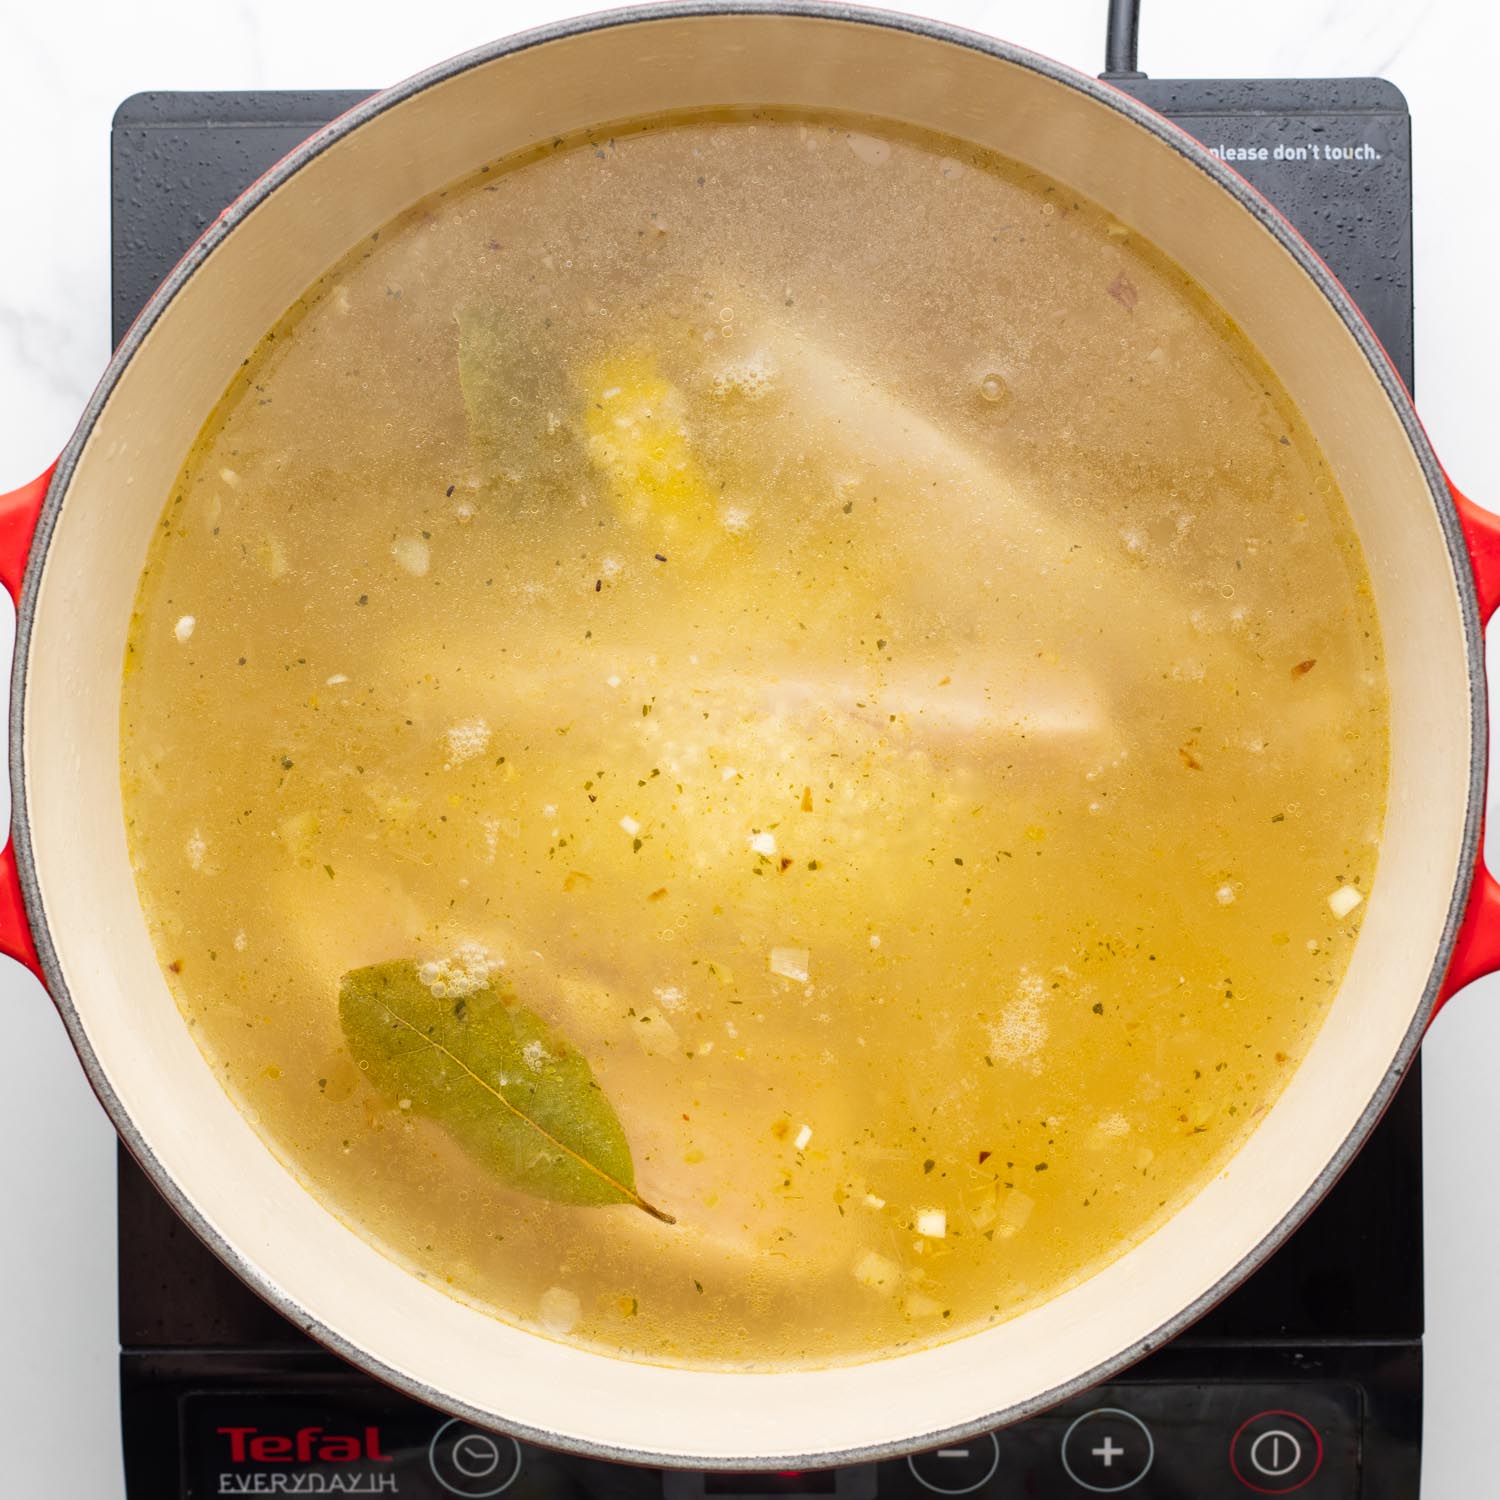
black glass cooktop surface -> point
(1307, 1378)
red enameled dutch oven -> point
(72, 544)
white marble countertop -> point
(64, 68)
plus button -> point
(1108, 1451)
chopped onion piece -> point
(559, 1310)
(413, 554)
(932, 1222)
(1015, 1210)
(791, 963)
(1344, 900)
(877, 1273)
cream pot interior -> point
(105, 974)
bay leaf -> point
(512, 1092)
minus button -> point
(956, 1471)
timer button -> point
(470, 1462)
(1276, 1452)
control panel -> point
(1155, 1441)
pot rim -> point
(1100, 92)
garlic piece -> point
(466, 739)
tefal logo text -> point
(307, 1445)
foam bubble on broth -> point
(854, 636)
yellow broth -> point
(854, 636)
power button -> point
(1276, 1452)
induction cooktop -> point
(1307, 1379)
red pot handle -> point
(18, 517)
(1476, 951)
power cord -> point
(1120, 40)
